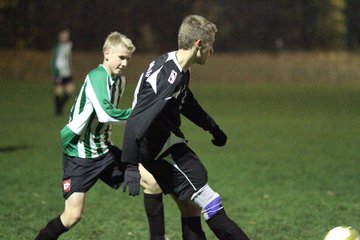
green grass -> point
(290, 169)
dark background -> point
(244, 25)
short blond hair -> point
(195, 27)
(115, 39)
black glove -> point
(219, 136)
(132, 179)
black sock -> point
(58, 108)
(191, 228)
(62, 102)
(224, 228)
(52, 230)
(154, 209)
(64, 99)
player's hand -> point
(219, 137)
(132, 179)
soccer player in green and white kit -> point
(88, 152)
(62, 70)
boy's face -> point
(205, 51)
(64, 36)
(116, 59)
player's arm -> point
(54, 53)
(192, 110)
(105, 110)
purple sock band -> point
(213, 207)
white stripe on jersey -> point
(103, 117)
(137, 91)
(153, 79)
(78, 123)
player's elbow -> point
(104, 118)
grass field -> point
(290, 169)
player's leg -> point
(188, 181)
(190, 220)
(153, 205)
(58, 92)
(190, 214)
(113, 176)
(74, 207)
(79, 175)
(222, 226)
(154, 208)
(69, 88)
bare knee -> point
(70, 217)
(59, 90)
(148, 182)
(150, 186)
(69, 88)
(187, 208)
(74, 207)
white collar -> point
(172, 56)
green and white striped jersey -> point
(87, 135)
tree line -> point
(153, 24)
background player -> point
(61, 69)
(153, 136)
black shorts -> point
(180, 172)
(81, 174)
(58, 80)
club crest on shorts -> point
(172, 77)
(67, 185)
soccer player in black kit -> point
(153, 136)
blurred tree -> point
(15, 24)
(330, 28)
(7, 7)
(353, 24)
(152, 25)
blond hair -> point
(115, 38)
(195, 27)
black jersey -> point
(162, 94)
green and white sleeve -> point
(99, 95)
